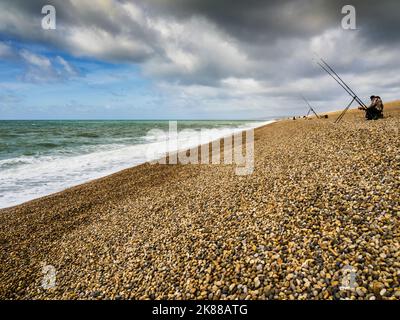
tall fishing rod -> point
(311, 108)
(345, 84)
(328, 72)
(328, 69)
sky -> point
(192, 59)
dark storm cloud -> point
(258, 24)
(253, 22)
(275, 30)
(258, 20)
(264, 47)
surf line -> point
(234, 147)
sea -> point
(41, 157)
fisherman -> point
(375, 109)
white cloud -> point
(194, 46)
(67, 67)
(40, 68)
(36, 60)
(99, 43)
(244, 85)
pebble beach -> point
(323, 202)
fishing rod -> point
(328, 69)
(328, 72)
(311, 108)
(345, 84)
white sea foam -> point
(26, 178)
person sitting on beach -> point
(375, 109)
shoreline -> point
(201, 232)
(234, 130)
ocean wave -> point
(87, 135)
(28, 177)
